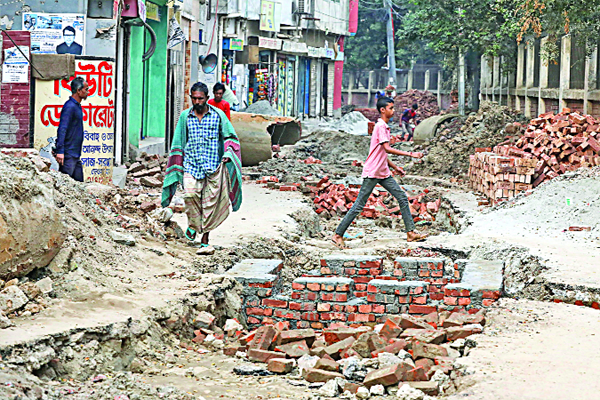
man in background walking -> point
(70, 131)
(217, 101)
(409, 115)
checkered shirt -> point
(202, 148)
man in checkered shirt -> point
(205, 178)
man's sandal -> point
(190, 234)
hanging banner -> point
(56, 33)
(98, 117)
(270, 13)
(176, 34)
(15, 68)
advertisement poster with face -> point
(56, 33)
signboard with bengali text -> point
(269, 43)
(98, 116)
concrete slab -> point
(337, 261)
(384, 283)
(119, 176)
(255, 267)
(152, 145)
(414, 262)
(482, 274)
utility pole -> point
(461, 83)
(461, 71)
(390, 43)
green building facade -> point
(148, 80)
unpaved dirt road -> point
(263, 213)
(536, 351)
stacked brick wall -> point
(430, 270)
(357, 291)
(500, 176)
(361, 269)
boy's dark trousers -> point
(366, 189)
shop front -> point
(263, 73)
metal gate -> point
(313, 89)
(175, 90)
(330, 84)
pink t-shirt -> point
(376, 165)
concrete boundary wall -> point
(531, 88)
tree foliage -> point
(367, 50)
(554, 18)
(449, 26)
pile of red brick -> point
(426, 101)
(551, 146)
(311, 160)
(370, 113)
(415, 349)
(266, 179)
(336, 199)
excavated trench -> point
(523, 272)
(82, 354)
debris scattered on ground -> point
(364, 361)
(311, 160)
(336, 199)
(336, 150)
(23, 298)
(493, 124)
(147, 170)
(426, 100)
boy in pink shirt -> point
(377, 171)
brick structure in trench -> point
(356, 290)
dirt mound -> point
(337, 150)
(262, 107)
(427, 102)
(448, 154)
(568, 200)
(70, 232)
(31, 230)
